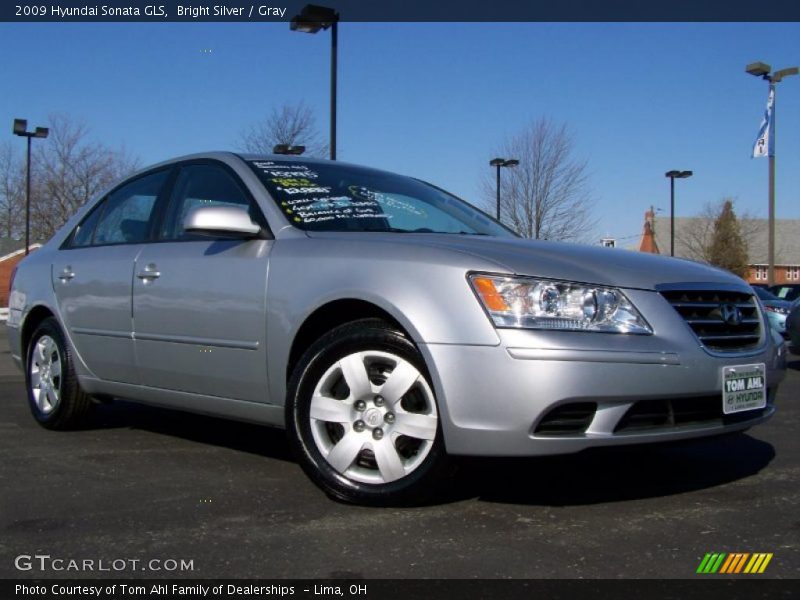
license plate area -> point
(744, 387)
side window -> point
(126, 218)
(83, 232)
(203, 185)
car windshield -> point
(329, 197)
(786, 292)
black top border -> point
(160, 11)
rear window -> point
(332, 197)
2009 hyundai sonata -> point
(384, 322)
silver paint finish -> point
(95, 306)
(200, 326)
(213, 331)
(231, 219)
(509, 396)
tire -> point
(362, 417)
(54, 394)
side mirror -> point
(221, 221)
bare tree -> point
(547, 195)
(291, 124)
(697, 235)
(12, 192)
(69, 169)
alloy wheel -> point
(45, 374)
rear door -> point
(199, 302)
(93, 272)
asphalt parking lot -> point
(143, 483)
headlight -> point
(530, 303)
(777, 309)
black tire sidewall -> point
(329, 349)
(49, 327)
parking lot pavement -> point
(8, 371)
(144, 484)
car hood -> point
(559, 260)
(778, 304)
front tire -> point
(362, 417)
(54, 394)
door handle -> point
(66, 274)
(149, 272)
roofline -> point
(247, 157)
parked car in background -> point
(793, 327)
(777, 309)
(786, 291)
(384, 322)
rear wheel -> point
(362, 417)
(54, 395)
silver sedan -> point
(386, 324)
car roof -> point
(226, 155)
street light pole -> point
(771, 192)
(673, 175)
(28, 200)
(672, 216)
(310, 20)
(334, 53)
(498, 192)
(501, 162)
(760, 69)
(21, 129)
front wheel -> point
(362, 417)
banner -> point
(765, 145)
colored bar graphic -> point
(717, 563)
(703, 563)
(740, 562)
(734, 563)
(727, 564)
(767, 558)
(734, 560)
(755, 562)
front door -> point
(199, 303)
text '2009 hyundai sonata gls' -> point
(384, 322)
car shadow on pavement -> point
(615, 473)
(593, 476)
(263, 440)
(794, 364)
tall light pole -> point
(21, 129)
(501, 162)
(760, 69)
(673, 175)
(310, 20)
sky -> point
(436, 100)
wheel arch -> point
(331, 315)
(33, 319)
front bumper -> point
(492, 398)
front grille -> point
(677, 412)
(705, 311)
(567, 419)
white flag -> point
(764, 145)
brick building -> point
(693, 232)
(11, 252)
